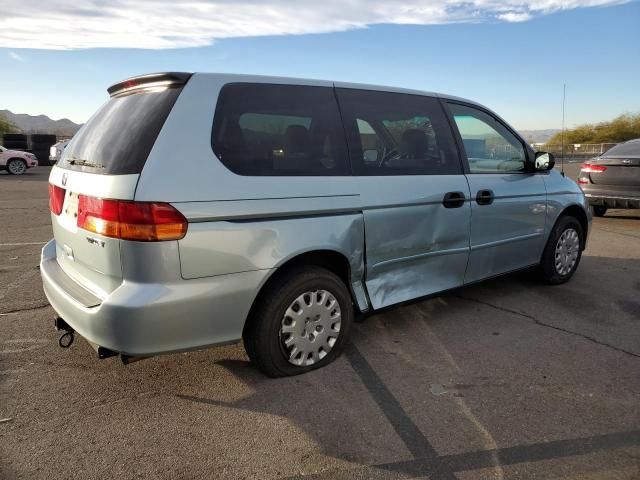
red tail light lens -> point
(56, 198)
(140, 221)
(591, 168)
(583, 181)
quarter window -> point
(279, 130)
(397, 134)
(489, 145)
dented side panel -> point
(415, 246)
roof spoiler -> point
(149, 81)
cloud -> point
(158, 24)
(515, 16)
(15, 56)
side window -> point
(279, 130)
(490, 146)
(397, 134)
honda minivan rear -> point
(112, 271)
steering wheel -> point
(388, 155)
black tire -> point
(599, 210)
(548, 270)
(262, 333)
(19, 162)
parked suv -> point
(16, 162)
(197, 210)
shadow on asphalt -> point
(330, 412)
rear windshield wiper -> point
(85, 163)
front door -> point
(508, 202)
(414, 196)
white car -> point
(16, 162)
(55, 152)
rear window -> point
(629, 149)
(117, 139)
(279, 130)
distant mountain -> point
(41, 123)
(538, 136)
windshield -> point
(118, 138)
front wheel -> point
(563, 251)
(299, 322)
(599, 210)
(16, 166)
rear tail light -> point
(56, 198)
(591, 168)
(583, 181)
(141, 221)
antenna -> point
(564, 97)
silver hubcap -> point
(17, 168)
(567, 250)
(310, 327)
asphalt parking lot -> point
(509, 379)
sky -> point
(57, 57)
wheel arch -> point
(23, 160)
(333, 260)
(576, 211)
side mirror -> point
(370, 156)
(544, 161)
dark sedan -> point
(612, 180)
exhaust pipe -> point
(102, 351)
(105, 353)
(126, 359)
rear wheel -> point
(563, 251)
(299, 323)
(599, 210)
(15, 166)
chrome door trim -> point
(505, 241)
(450, 251)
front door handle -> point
(485, 197)
(453, 200)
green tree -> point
(6, 126)
(620, 129)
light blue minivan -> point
(202, 209)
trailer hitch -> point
(67, 337)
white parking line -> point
(21, 244)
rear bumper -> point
(611, 201)
(141, 319)
(612, 196)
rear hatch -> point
(620, 166)
(95, 180)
